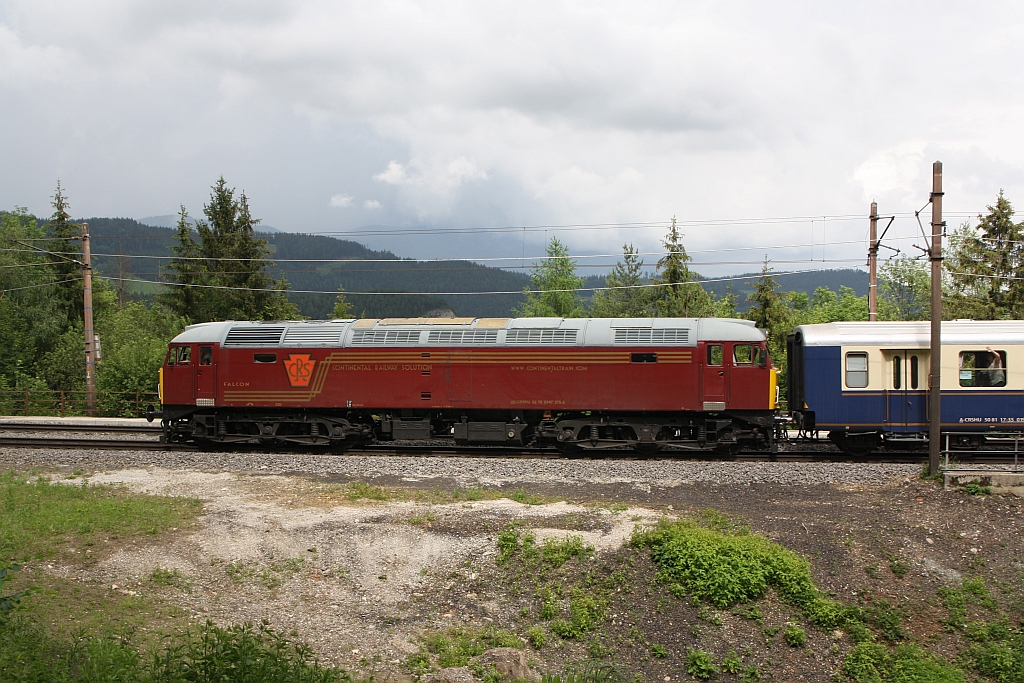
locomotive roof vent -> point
(546, 336)
(385, 337)
(253, 335)
(313, 335)
(462, 337)
(647, 335)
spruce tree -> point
(627, 298)
(682, 296)
(187, 269)
(232, 263)
(342, 306)
(770, 312)
(1002, 259)
(553, 286)
(65, 245)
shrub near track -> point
(729, 568)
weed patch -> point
(37, 516)
(360, 490)
(457, 646)
(872, 663)
(974, 488)
(727, 567)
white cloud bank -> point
(460, 113)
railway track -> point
(784, 455)
(789, 451)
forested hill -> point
(383, 271)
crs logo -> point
(299, 367)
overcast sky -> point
(335, 115)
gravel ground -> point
(478, 472)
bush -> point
(728, 568)
(698, 664)
(794, 636)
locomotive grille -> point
(312, 335)
(645, 335)
(462, 337)
(254, 336)
(385, 337)
(540, 337)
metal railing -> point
(72, 403)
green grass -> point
(359, 490)
(240, 654)
(37, 517)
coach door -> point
(907, 392)
(715, 379)
(206, 376)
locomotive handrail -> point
(52, 403)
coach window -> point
(983, 368)
(857, 369)
(914, 372)
(184, 355)
(897, 372)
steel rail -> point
(439, 451)
(118, 429)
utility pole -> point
(873, 266)
(935, 378)
(90, 335)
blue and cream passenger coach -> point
(866, 383)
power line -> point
(45, 284)
(532, 291)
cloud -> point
(897, 168)
(475, 114)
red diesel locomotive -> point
(579, 384)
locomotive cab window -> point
(172, 356)
(748, 354)
(184, 355)
(206, 355)
(983, 368)
(714, 354)
(857, 369)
